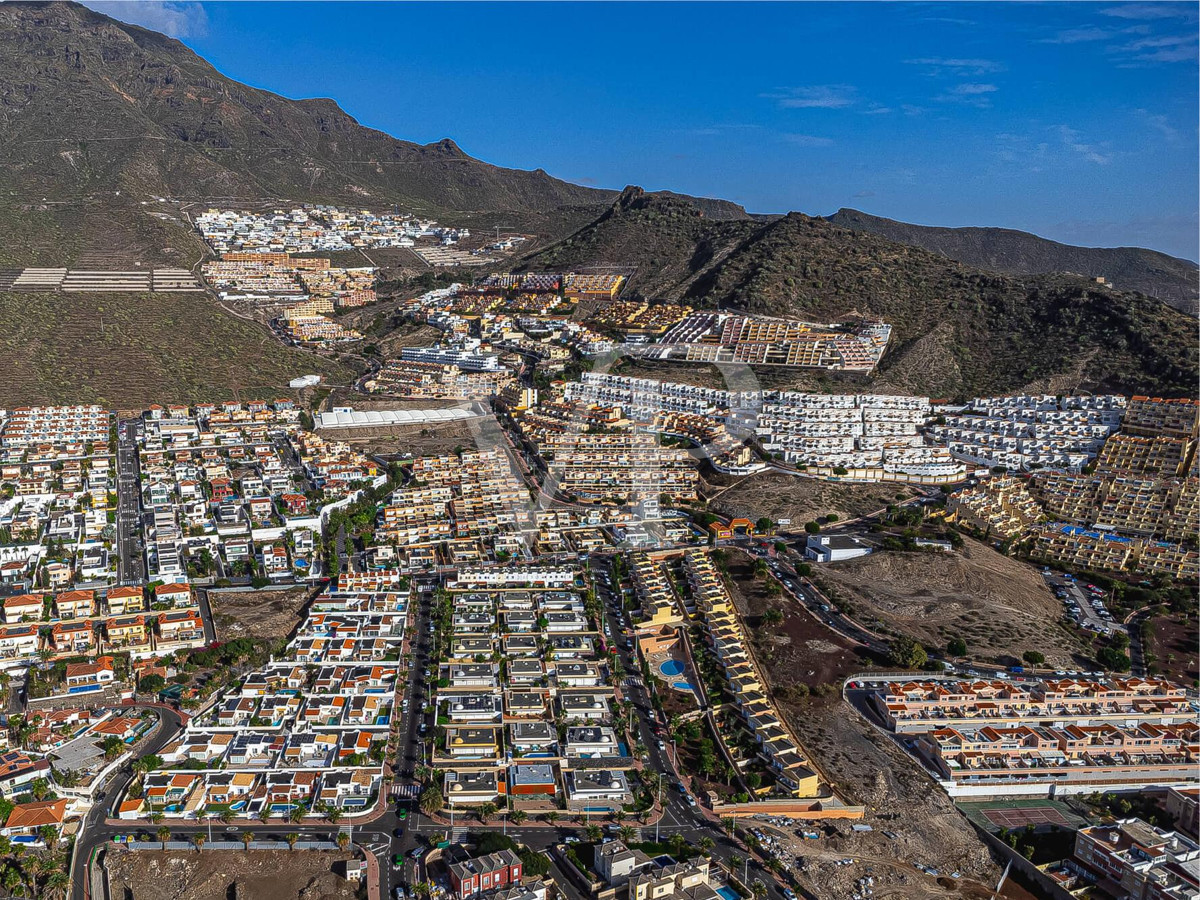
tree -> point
(1113, 659)
(551, 817)
(40, 788)
(773, 616)
(763, 525)
(758, 889)
(343, 840)
(247, 837)
(907, 653)
(593, 833)
(486, 811)
(431, 800)
(1033, 657)
(812, 528)
(49, 835)
(705, 844)
(333, 815)
(533, 863)
(677, 842)
(956, 647)
(198, 841)
(517, 816)
(628, 833)
(292, 839)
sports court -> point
(1013, 813)
(1028, 815)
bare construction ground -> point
(781, 496)
(1000, 606)
(217, 874)
(805, 662)
(266, 614)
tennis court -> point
(1020, 816)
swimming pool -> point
(682, 685)
(671, 667)
(728, 893)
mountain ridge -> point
(958, 331)
(1010, 251)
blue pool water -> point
(671, 667)
(728, 893)
(682, 685)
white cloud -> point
(819, 96)
(807, 140)
(1091, 152)
(944, 65)
(1150, 11)
(970, 93)
(179, 20)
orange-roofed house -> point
(23, 608)
(177, 595)
(68, 638)
(122, 600)
(75, 604)
(94, 675)
(26, 819)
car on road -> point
(397, 860)
(399, 832)
(418, 853)
(402, 813)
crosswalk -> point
(458, 834)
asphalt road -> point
(131, 568)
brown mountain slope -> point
(95, 109)
(1174, 281)
(958, 332)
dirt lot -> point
(801, 650)
(1173, 643)
(782, 496)
(260, 614)
(1001, 607)
(804, 661)
(215, 875)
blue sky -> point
(1077, 121)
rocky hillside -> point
(959, 331)
(1174, 281)
(98, 116)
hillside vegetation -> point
(1172, 280)
(958, 331)
(128, 351)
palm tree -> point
(156, 817)
(593, 833)
(332, 814)
(39, 788)
(486, 811)
(517, 816)
(551, 817)
(11, 880)
(735, 861)
(296, 814)
(56, 884)
(628, 833)
(198, 841)
(729, 823)
(758, 889)
(677, 842)
(247, 837)
(343, 840)
(163, 833)
(705, 844)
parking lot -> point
(1084, 602)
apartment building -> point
(1132, 859)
